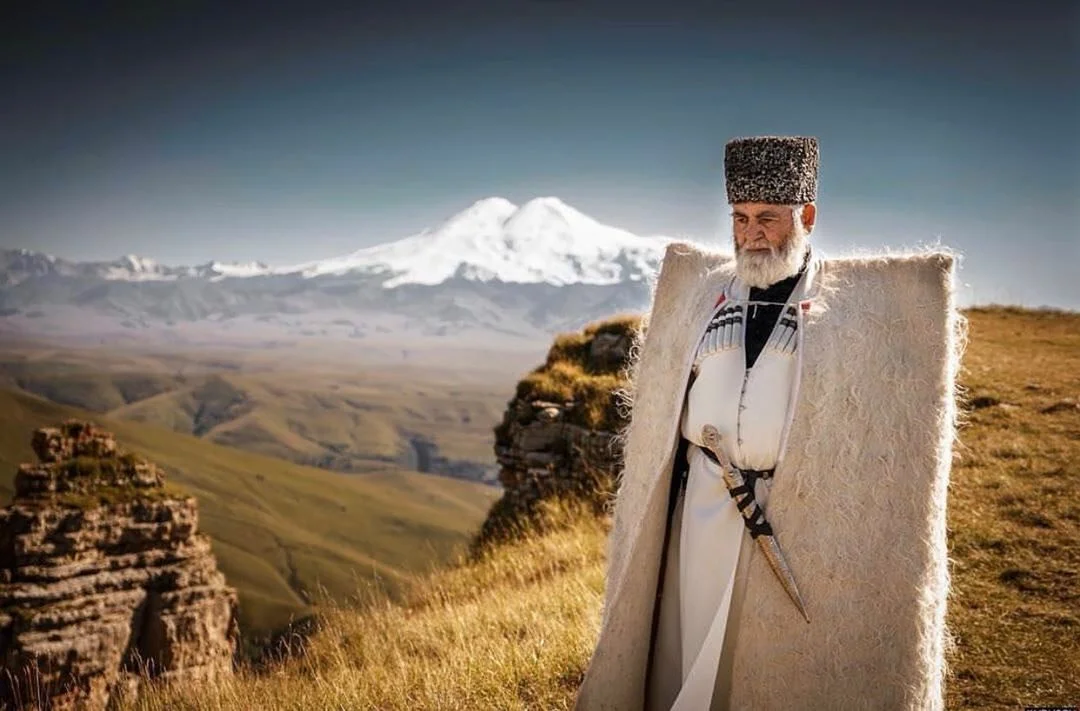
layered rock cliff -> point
(559, 435)
(104, 578)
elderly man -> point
(779, 534)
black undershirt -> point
(761, 318)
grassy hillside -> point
(345, 417)
(1014, 514)
(511, 631)
(515, 630)
(282, 531)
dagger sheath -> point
(754, 517)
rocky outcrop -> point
(104, 578)
(559, 435)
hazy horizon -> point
(294, 133)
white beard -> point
(760, 269)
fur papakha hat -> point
(782, 170)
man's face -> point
(769, 242)
(759, 226)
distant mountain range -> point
(494, 270)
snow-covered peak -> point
(17, 265)
(32, 255)
(546, 209)
(480, 220)
(132, 267)
(544, 240)
(550, 223)
(223, 270)
(137, 264)
(486, 211)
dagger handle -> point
(738, 487)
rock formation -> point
(104, 578)
(559, 435)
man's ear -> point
(809, 216)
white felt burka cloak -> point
(857, 502)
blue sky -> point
(192, 133)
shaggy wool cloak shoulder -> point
(858, 500)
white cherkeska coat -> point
(857, 500)
(750, 407)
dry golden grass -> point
(1014, 514)
(570, 374)
(516, 629)
(564, 381)
(573, 347)
(512, 630)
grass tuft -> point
(572, 375)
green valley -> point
(284, 533)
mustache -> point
(759, 246)
(768, 265)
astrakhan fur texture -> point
(858, 499)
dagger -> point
(754, 517)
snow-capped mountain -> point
(226, 270)
(494, 267)
(543, 241)
(17, 265)
(135, 268)
(20, 264)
